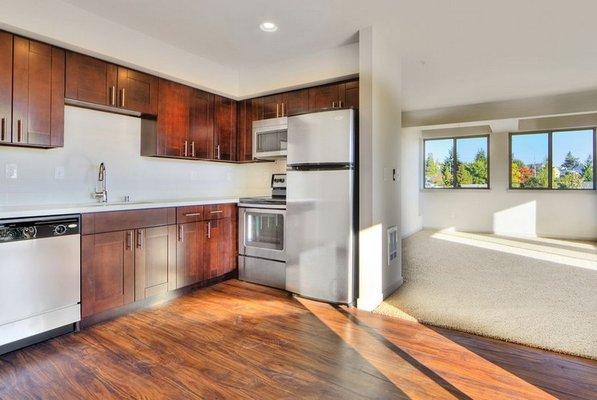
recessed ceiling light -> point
(268, 27)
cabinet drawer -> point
(189, 214)
(218, 211)
(122, 220)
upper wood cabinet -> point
(326, 97)
(351, 94)
(295, 102)
(225, 129)
(94, 81)
(271, 106)
(137, 91)
(37, 94)
(107, 271)
(247, 113)
(173, 119)
(201, 124)
(6, 43)
(91, 80)
(155, 261)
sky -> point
(530, 148)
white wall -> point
(92, 137)
(564, 214)
(300, 72)
(380, 124)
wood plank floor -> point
(237, 340)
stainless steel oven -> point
(270, 138)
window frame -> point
(550, 133)
(456, 162)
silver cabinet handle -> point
(218, 155)
(186, 148)
(113, 95)
(209, 230)
(277, 110)
(333, 104)
(122, 98)
(283, 109)
(340, 104)
(216, 212)
(2, 129)
(193, 215)
(180, 233)
(192, 149)
(140, 238)
(129, 240)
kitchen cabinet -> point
(91, 80)
(137, 91)
(172, 123)
(107, 271)
(336, 95)
(272, 106)
(220, 249)
(244, 139)
(224, 129)
(155, 261)
(201, 128)
(190, 253)
(38, 94)
(295, 102)
(6, 43)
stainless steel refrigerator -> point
(321, 206)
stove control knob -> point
(59, 230)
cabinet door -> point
(5, 86)
(296, 102)
(190, 253)
(38, 94)
(173, 119)
(220, 248)
(225, 128)
(201, 124)
(351, 96)
(155, 261)
(246, 116)
(325, 97)
(137, 91)
(91, 80)
(108, 271)
(271, 106)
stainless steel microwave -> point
(270, 138)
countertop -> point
(62, 209)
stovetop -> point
(277, 200)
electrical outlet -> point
(11, 171)
(59, 173)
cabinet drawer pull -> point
(209, 230)
(192, 149)
(180, 233)
(122, 100)
(186, 148)
(218, 155)
(216, 212)
(192, 215)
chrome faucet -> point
(101, 192)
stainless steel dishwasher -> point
(40, 279)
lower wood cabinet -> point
(128, 256)
(155, 261)
(107, 271)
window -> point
(553, 160)
(457, 163)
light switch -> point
(11, 171)
(59, 173)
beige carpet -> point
(534, 291)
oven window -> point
(271, 141)
(264, 230)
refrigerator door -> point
(321, 138)
(320, 250)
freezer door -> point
(322, 137)
(320, 252)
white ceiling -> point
(454, 51)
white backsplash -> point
(69, 174)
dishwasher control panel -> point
(38, 228)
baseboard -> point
(411, 232)
(392, 288)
